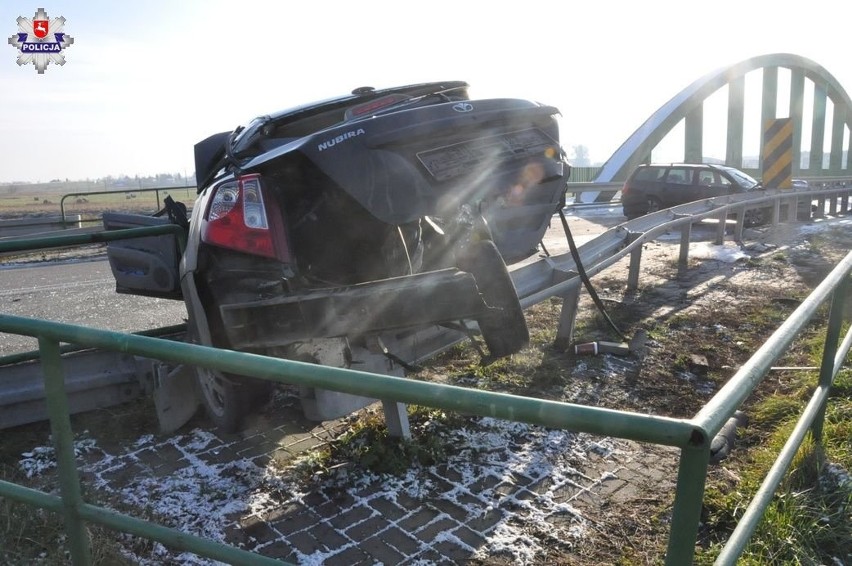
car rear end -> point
(429, 158)
(359, 227)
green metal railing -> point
(45, 242)
(155, 190)
(692, 436)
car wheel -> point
(225, 401)
(654, 205)
(503, 325)
(755, 217)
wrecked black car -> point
(326, 232)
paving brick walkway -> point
(510, 495)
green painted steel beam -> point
(63, 443)
(818, 129)
(721, 407)
(643, 428)
(22, 357)
(738, 540)
(769, 103)
(123, 523)
(694, 136)
(689, 497)
(736, 118)
(40, 243)
(30, 496)
(797, 107)
(175, 539)
(838, 127)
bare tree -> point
(581, 156)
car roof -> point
(690, 165)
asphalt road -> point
(81, 292)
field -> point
(84, 199)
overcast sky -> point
(144, 81)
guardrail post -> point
(683, 256)
(62, 209)
(776, 211)
(63, 442)
(832, 205)
(844, 204)
(820, 211)
(689, 497)
(720, 229)
(635, 262)
(738, 229)
(791, 210)
(567, 318)
(396, 419)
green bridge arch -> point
(688, 105)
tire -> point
(755, 217)
(654, 205)
(225, 401)
(503, 325)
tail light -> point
(238, 219)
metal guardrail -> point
(546, 278)
(155, 190)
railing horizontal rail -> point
(61, 240)
(754, 512)
(719, 408)
(155, 190)
(127, 524)
(648, 428)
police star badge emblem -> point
(41, 41)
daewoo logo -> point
(328, 144)
(463, 107)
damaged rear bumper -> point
(390, 304)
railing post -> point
(776, 211)
(829, 350)
(820, 211)
(791, 210)
(832, 205)
(683, 257)
(635, 263)
(62, 209)
(63, 443)
(567, 319)
(720, 229)
(396, 419)
(689, 497)
(738, 229)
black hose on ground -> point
(585, 278)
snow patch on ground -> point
(525, 474)
(726, 253)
